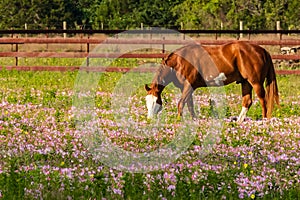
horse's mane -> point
(161, 68)
(159, 72)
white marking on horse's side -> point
(152, 106)
(242, 115)
(220, 78)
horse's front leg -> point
(186, 97)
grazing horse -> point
(195, 66)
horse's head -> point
(162, 78)
(153, 101)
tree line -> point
(129, 14)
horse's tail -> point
(272, 95)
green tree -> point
(39, 13)
(256, 14)
(286, 11)
(251, 12)
(292, 15)
(113, 14)
(202, 14)
(126, 14)
(157, 13)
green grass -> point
(45, 87)
(37, 112)
(69, 62)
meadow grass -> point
(43, 155)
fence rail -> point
(88, 41)
(110, 55)
(15, 41)
(110, 69)
(287, 42)
(145, 31)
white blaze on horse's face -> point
(152, 106)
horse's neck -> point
(158, 85)
(162, 78)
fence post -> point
(249, 35)
(12, 36)
(221, 27)
(241, 28)
(25, 26)
(65, 28)
(88, 51)
(81, 36)
(182, 28)
(163, 45)
(278, 28)
(17, 49)
(47, 36)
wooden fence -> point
(87, 42)
(16, 42)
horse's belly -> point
(234, 78)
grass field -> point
(43, 154)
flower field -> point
(44, 155)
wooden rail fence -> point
(16, 42)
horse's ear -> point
(147, 88)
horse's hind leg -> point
(247, 100)
(260, 92)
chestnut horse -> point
(195, 66)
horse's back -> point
(232, 51)
(241, 58)
(238, 60)
(253, 61)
